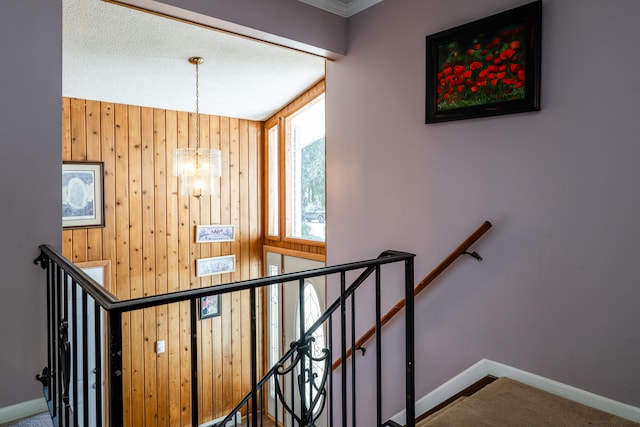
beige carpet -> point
(506, 402)
(40, 420)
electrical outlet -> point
(160, 346)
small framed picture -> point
(215, 233)
(215, 265)
(209, 306)
(82, 194)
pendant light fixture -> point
(197, 167)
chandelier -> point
(197, 167)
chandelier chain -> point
(197, 106)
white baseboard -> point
(488, 367)
(22, 410)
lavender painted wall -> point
(30, 158)
(557, 293)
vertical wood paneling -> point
(108, 154)
(148, 250)
(203, 216)
(67, 235)
(234, 191)
(161, 268)
(93, 152)
(173, 275)
(254, 144)
(244, 238)
(205, 349)
(184, 265)
(135, 264)
(171, 136)
(122, 283)
(135, 202)
(149, 236)
(78, 153)
(255, 177)
(217, 344)
(225, 212)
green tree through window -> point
(313, 181)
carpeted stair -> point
(40, 420)
(506, 402)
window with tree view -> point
(295, 170)
(305, 172)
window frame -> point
(282, 120)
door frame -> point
(282, 253)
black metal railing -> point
(303, 379)
(79, 309)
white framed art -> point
(82, 194)
(215, 265)
(215, 233)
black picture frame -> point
(210, 306)
(486, 67)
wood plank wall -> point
(149, 238)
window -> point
(272, 182)
(273, 313)
(295, 187)
(305, 172)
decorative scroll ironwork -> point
(306, 364)
(311, 387)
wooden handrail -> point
(460, 250)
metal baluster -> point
(291, 396)
(254, 357)
(262, 405)
(55, 368)
(302, 376)
(343, 344)
(410, 348)
(61, 293)
(330, 342)
(85, 358)
(275, 399)
(353, 359)
(98, 360)
(114, 319)
(194, 360)
(64, 393)
(50, 322)
(378, 352)
(74, 349)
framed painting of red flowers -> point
(486, 67)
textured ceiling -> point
(117, 54)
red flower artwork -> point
(493, 61)
(486, 67)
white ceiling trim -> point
(344, 8)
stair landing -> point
(506, 402)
